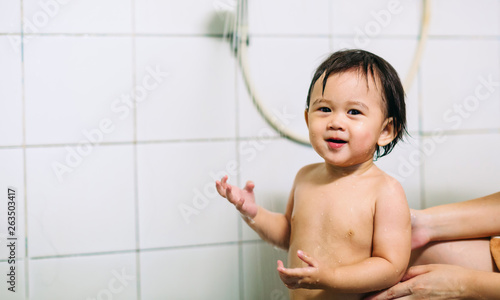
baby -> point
(347, 223)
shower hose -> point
(242, 56)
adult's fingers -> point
(399, 291)
(404, 289)
(415, 271)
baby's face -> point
(347, 120)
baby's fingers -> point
(249, 186)
(291, 282)
(280, 265)
(230, 195)
(306, 258)
(221, 186)
(239, 204)
(220, 189)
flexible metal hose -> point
(241, 47)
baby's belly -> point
(331, 249)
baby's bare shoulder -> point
(308, 170)
(388, 186)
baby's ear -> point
(306, 116)
(388, 133)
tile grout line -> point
(256, 35)
(241, 273)
(25, 182)
(135, 158)
(421, 136)
(330, 26)
(167, 248)
(166, 141)
(215, 140)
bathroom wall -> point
(117, 116)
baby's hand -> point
(243, 199)
(301, 278)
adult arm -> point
(443, 282)
(470, 219)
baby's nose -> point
(336, 123)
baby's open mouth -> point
(336, 141)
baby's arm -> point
(272, 227)
(385, 267)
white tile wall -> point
(191, 273)
(461, 167)
(178, 202)
(91, 16)
(111, 276)
(380, 17)
(12, 176)
(80, 79)
(187, 105)
(165, 76)
(11, 124)
(469, 97)
(182, 17)
(10, 16)
(462, 17)
(296, 17)
(89, 208)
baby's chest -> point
(333, 215)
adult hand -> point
(429, 282)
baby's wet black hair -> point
(381, 71)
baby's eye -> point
(354, 112)
(325, 109)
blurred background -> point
(118, 116)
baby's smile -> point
(336, 143)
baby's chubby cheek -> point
(363, 139)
